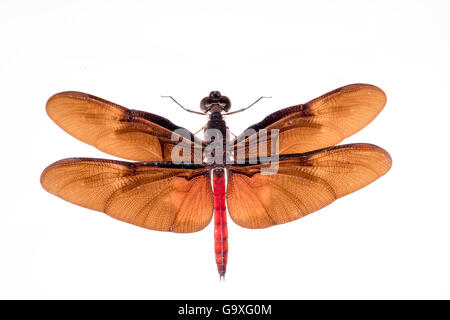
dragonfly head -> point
(215, 99)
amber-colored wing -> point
(320, 123)
(129, 134)
(303, 183)
(154, 195)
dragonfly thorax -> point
(216, 136)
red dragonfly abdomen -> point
(220, 222)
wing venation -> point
(301, 183)
(111, 128)
(320, 123)
(154, 195)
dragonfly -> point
(166, 187)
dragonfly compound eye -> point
(215, 95)
(225, 103)
(205, 104)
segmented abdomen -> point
(220, 222)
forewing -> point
(129, 134)
(320, 123)
(155, 195)
(302, 184)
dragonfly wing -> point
(320, 123)
(302, 183)
(154, 195)
(129, 134)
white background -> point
(389, 240)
